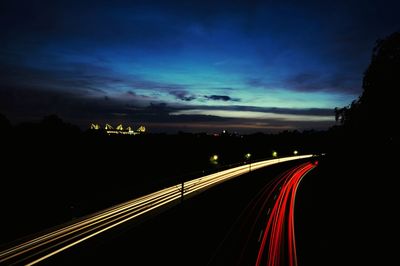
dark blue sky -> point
(188, 65)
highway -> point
(264, 232)
(278, 244)
(61, 238)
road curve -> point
(65, 236)
(278, 245)
(263, 233)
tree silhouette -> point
(5, 124)
(53, 124)
(374, 111)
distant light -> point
(295, 152)
(214, 159)
(274, 154)
(120, 127)
(95, 126)
(247, 155)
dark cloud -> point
(294, 111)
(223, 98)
(183, 95)
(262, 83)
(24, 104)
(86, 79)
(74, 78)
(312, 81)
(304, 78)
(138, 82)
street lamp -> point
(274, 154)
(295, 152)
(214, 159)
(247, 157)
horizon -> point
(175, 131)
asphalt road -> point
(56, 240)
(196, 232)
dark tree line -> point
(375, 111)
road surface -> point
(61, 238)
(264, 232)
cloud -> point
(183, 95)
(26, 104)
(276, 110)
(88, 80)
(313, 82)
(94, 80)
(257, 115)
(224, 98)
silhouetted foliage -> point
(5, 124)
(374, 113)
(53, 124)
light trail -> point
(278, 245)
(66, 236)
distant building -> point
(119, 130)
(95, 126)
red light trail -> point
(278, 245)
(63, 237)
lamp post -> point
(247, 157)
(214, 159)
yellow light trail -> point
(68, 235)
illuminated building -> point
(119, 130)
(95, 126)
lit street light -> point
(274, 154)
(214, 159)
(247, 157)
(295, 152)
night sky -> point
(246, 66)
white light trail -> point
(73, 233)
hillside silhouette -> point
(358, 198)
(374, 113)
